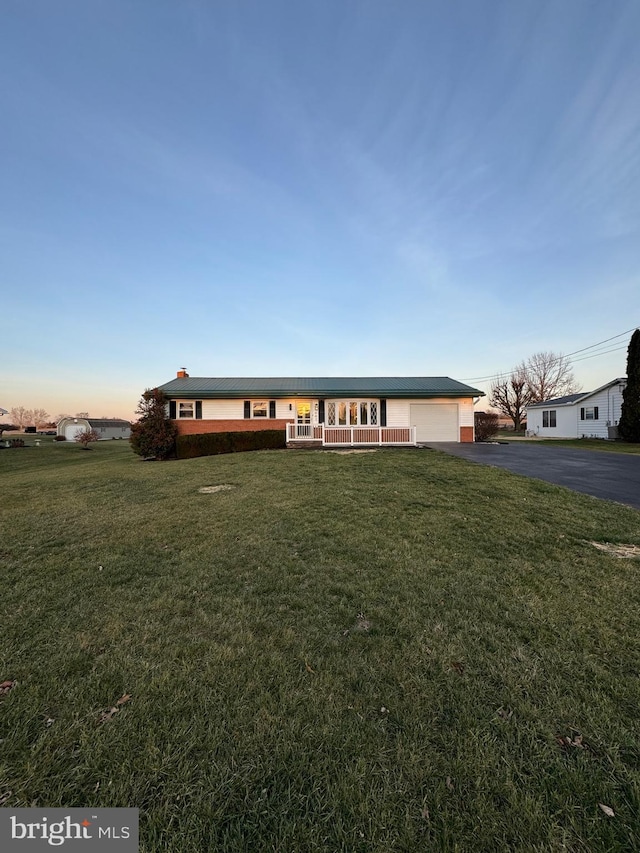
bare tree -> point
(58, 418)
(21, 417)
(81, 415)
(40, 417)
(511, 395)
(549, 375)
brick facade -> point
(196, 427)
(466, 434)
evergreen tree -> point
(154, 434)
(629, 426)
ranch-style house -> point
(325, 411)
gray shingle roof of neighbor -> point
(321, 386)
(573, 398)
(106, 422)
(559, 401)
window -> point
(549, 418)
(259, 409)
(352, 413)
(188, 409)
(589, 414)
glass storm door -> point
(303, 419)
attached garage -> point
(435, 421)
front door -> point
(303, 419)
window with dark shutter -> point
(321, 412)
(272, 408)
(247, 408)
(581, 414)
(383, 413)
(199, 409)
(172, 409)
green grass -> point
(390, 651)
(583, 444)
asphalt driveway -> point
(607, 475)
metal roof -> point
(207, 387)
(559, 401)
(103, 423)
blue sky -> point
(312, 187)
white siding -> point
(466, 412)
(222, 410)
(609, 403)
(398, 413)
(283, 411)
(565, 422)
(233, 410)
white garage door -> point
(435, 421)
(71, 430)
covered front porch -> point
(320, 435)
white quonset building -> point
(591, 414)
(106, 428)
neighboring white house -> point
(591, 414)
(106, 428)
(326, 410)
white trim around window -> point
(259, 408)
(352, 412)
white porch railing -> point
(351, 436)
(304, 432)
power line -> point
(596, 354)
(567, 356)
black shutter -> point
(272, 408)
(383, 413)
(595, 413)
(581, 414)
(247, 408)
(321, 412)
(199, 409)
(172, 409)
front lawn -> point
(387, 651)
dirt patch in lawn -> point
(348, 452)
(210, 490)
(624, 551)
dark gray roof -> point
(560, 401)
(103, 423)
(321, 386)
